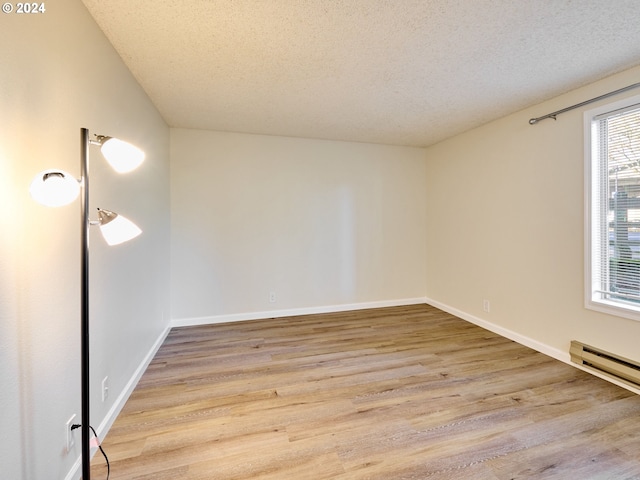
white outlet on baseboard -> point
(69, 438)
(486, 306)
(105, 388)
(272, 297)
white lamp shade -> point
(122, 156)
(117, 229)
(54, 188)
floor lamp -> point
(55, 188)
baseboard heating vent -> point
(612, 365)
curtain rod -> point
(533, 121)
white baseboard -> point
(504, 332)
(114, 411)
(553, 352)
(75, 472)
(292, 312)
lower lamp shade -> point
(54, 188)
(115, 228)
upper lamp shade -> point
(115, 228)
(122, 156)
(54, 188)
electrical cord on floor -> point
(77, 425)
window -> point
(613, 208)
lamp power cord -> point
(77, 425)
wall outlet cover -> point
(69, 437)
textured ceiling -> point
(403, 72)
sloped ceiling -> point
(400, 72)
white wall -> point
(505, 210)
(59, 74)
(322, 224)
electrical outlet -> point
(486, 306)
(68, 434)
(105, 389)
(272, 297)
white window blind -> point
(615, 208)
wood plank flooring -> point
(395, 393)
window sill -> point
(632, 312)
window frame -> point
(608, 306)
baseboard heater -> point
(607, 363)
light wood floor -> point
(395, 394)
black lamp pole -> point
(84, 302)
